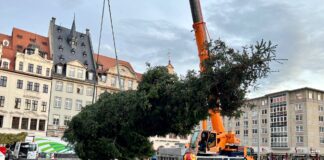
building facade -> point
(25, 83)
(73, 75)
(284, 124)
(108, 75)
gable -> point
(76, 63)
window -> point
(321, 118)
(67, 119)
(80, 74)
(321, 140)
(5, 65)
(29, 86)
(24, 123)
(122, 82)
(264, 121)
(68, 103)
(21, 66)
(103, 78)
(264, 111)
(310, 95)
(299, 128)
(299, 117)
(78, 105)
(47, 72)
(300, 139)
(20, 84)
(237, 124)
(72, 72)
(254, 122)
(90, 75)
(30, 67)
(36, 87)
(113, 81)
(246, 123)
(264, 140)
(69, 88)
(298, 107)
(56, 119)
(45, 88)
(59, 69)
(58, 102)
(321, 129)
(17, 103)
(15, 122)
(130, 84)
(80, 90)
(35, 105)
(89, 91)
(44, 106)
(264, 130)
(245, 116)
(1, 121)
(321, 108)
(28, 103)
(41, 125)
(39, 70)
(33, 124)
(237, 132)
(319, 96)
(254, 131)
(246, 132)
(2, 101)
(3, 81)
(59, 86)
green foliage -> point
(118, 125)
(12, 138)
(230, 73)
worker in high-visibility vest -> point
(189, 156)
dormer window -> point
(99, 66)
(61, 58)
(60, 38)
(90, 75)
(82, 44)
(82, 36)
(59, 29)
(59, 69)
(73, 51)
(103, 78)
(61, 48)
(5, 65)
(84, 53)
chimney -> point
(53, 20)
(87, 31)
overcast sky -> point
(146, 30)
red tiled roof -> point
(24, 38)
(7, 51)
(108, 62)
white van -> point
(25, 150)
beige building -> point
(25, 82)
(108, 76)
(73, 76)
(287, 123)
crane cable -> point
(114, 41)
(99, 44)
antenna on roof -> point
(169, 56)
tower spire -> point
(73, 36)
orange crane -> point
(215, 141)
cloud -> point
(143, 41)
(298, 37)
